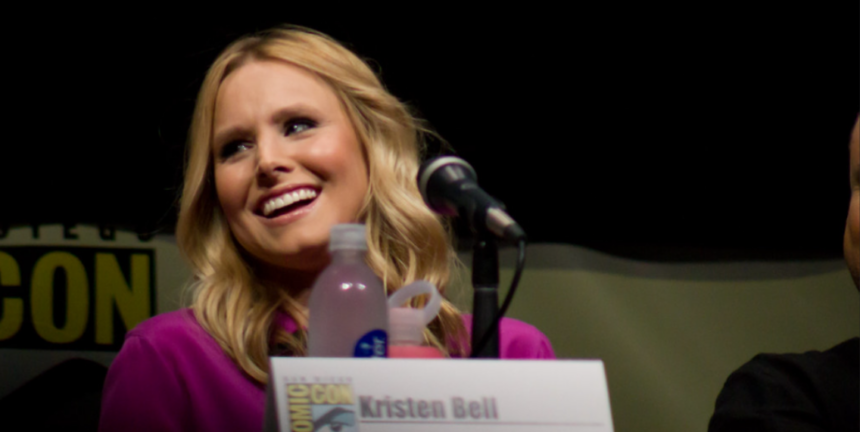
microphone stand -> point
(485, 304)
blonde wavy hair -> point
(406, 241)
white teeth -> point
(287, 199)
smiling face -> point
(288, 165)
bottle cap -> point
(406, 325)
(347, 236)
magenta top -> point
(171, 375)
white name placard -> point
(346, 395)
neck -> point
(296, 283)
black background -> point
(690, 132)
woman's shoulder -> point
(170, 346)
(179, 323)
(518, 339)
(161, 372)
(509, 326)
(173, 336)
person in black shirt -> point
(813, 391)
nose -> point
(271, 163)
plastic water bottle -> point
(348, 308)
(407, 324)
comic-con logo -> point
(321, 408)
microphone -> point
(449, 186)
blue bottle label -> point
(373, 344)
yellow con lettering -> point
(339, 394)
(42, 297)
(331, 394)
(13, 308)
(133, 303)
(318, 394)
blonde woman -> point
(288, 113)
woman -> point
(292, 134)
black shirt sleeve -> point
(814, 391)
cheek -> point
(228, 188)
(349, 173)
(342, 160)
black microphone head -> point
(439, 173)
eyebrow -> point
(282, 115)
(294, 111)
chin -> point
(309, 258)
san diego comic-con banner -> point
(65, 287)
(73, 298)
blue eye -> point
(233, 148)
(298, 125)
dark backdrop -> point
(701, 132)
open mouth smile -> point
(287, 202)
